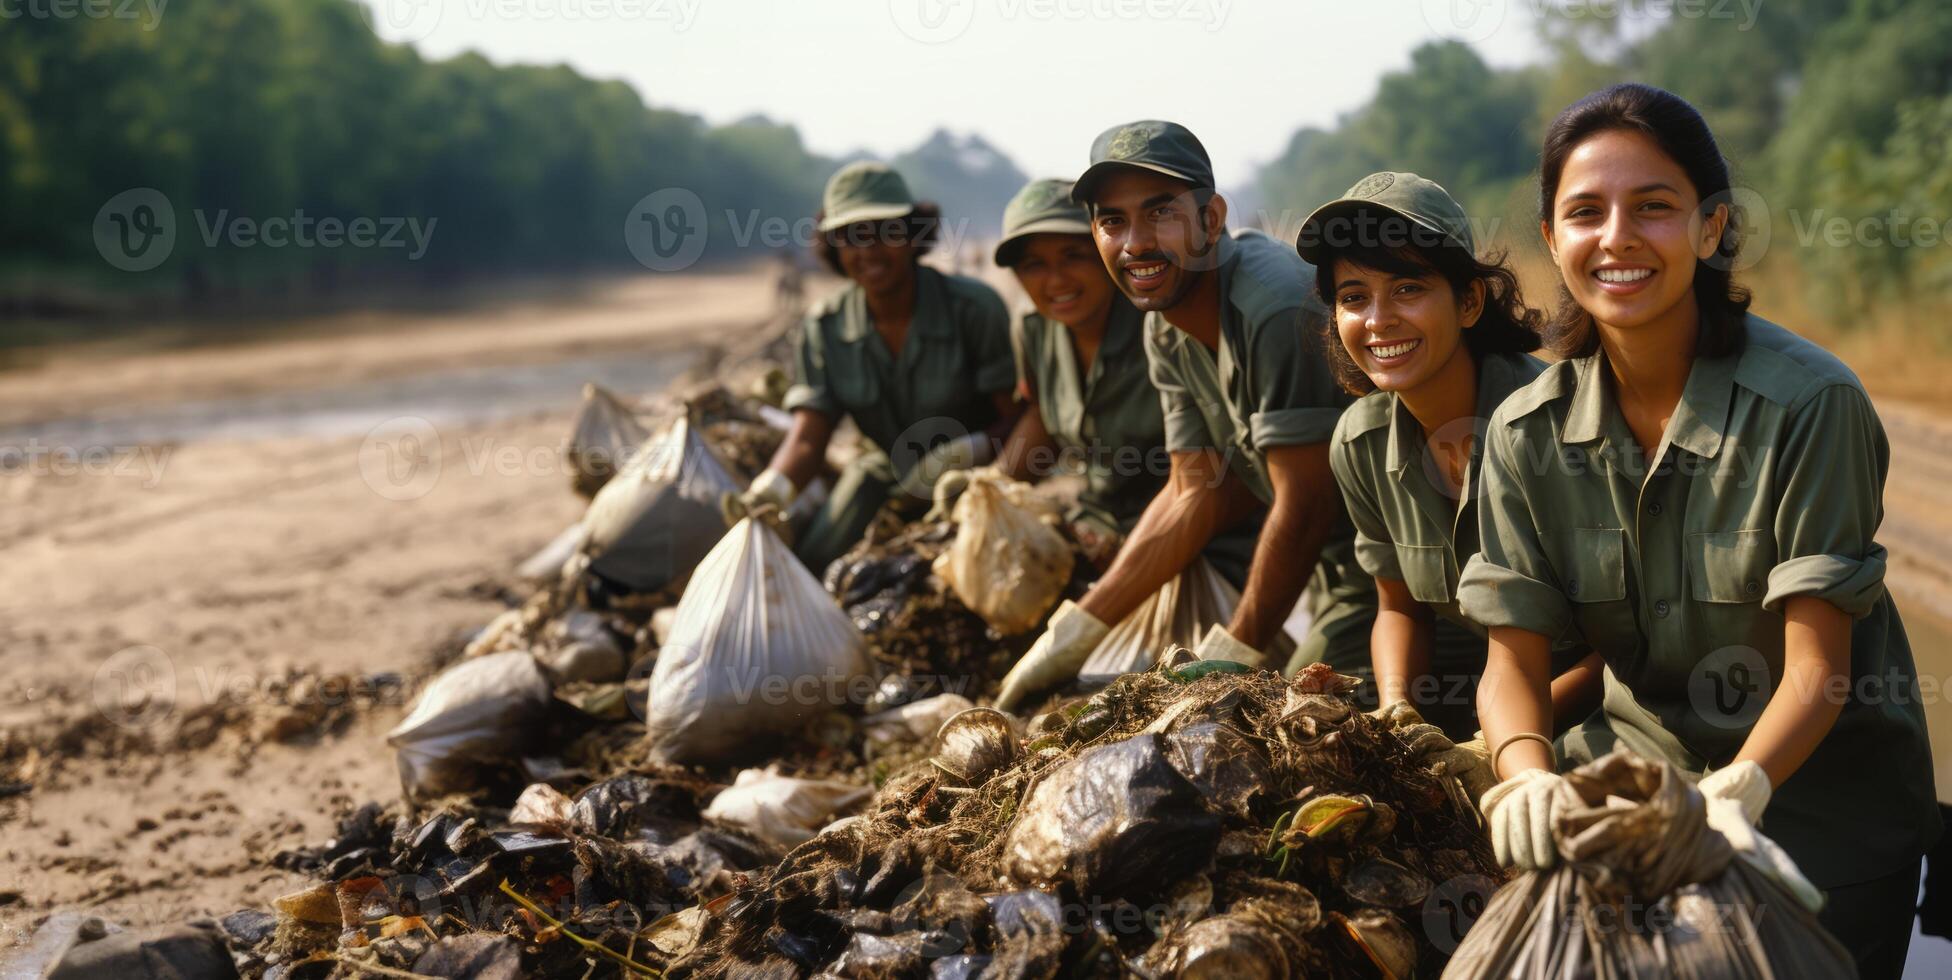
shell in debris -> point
(1382, 882)
(974, 744)
(1230, 947)
(1383, 940)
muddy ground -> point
(257, 525)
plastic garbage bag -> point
(601, 440)
(546, 565)
(783, 810)
(756, 648)
(1179, 613)
(651, 524)
(1644, 888)
(477, 714)
(1118, 821)
(915, 722)
(1007, 563)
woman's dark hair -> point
(1678, 129)
(1506, 325)
(920, 227)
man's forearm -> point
(1290, 545)
(1175, 527)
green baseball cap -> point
(1149, 144)
(1043, 206)
(1434, 217)
(864, 191)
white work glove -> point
(770, 488)
(962, 453)
(1221, 645)
(1468, 761)
(1736, 797)
(1055, 657)
(1520, 813)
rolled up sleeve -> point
(810, 388)
(1831, 471)
(1296, 401)
(1185, 425)
(1509, 582)
(1375, 550)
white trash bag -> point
(604, 436)
(783, 810)
(477, 715)
(656, 519)
(757, 648)
(1180, 613)
(1008, 563)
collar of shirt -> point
(930, 318)
(1699, 419)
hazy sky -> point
(1038, 78)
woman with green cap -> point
(1432, 337)
(918, 359)
(1083, 378)
(1696, 493)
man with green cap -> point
(1231, 339)
(1082, 376)
(918, 359)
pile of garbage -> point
(1190, 820)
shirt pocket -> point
(1730, 566)
(855, 382)
(1426, 570)
(1592, 563)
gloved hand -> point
(1221, 645)
(1469, 761)
(770, 488)
(1520, 813)
(1743, 783)
(1736, 797)
(972, 450)
(1055, 657)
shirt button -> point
(1572, 587)
(1654, 509)
(1754, 586)
(1660, 607)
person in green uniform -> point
(1081, 375)
(1433, 338)
(1696, 493)
(1249, 404)
(918, 359)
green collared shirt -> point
(1106, 418)
(1410, 526)
(955, 358)
(1768, 485)
(1267, 385)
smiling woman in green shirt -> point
(918, 359)
(1433, 338)
(1696, 492)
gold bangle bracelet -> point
(1522, 737)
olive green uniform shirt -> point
(1768, 485)
(1109, 420)
(955, 358)
(1268, 385)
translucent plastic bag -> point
(650, 525)
(1008, 563)
(1643, 888)
(756, 648)
(1179, 613)
(605, 434)
(783, 810)
(476, 715)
